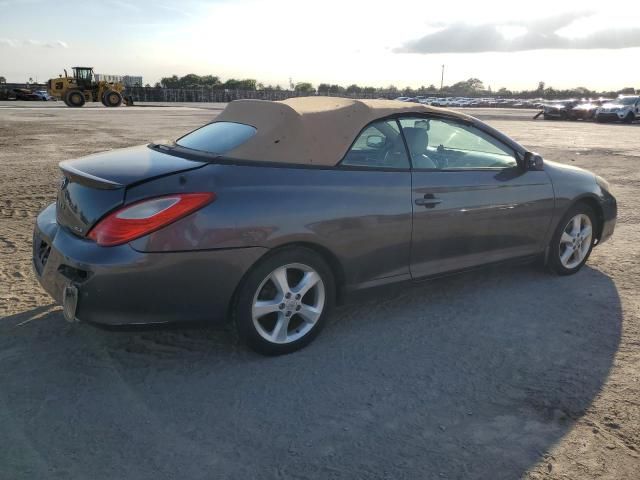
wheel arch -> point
(327, 255)
(593, 202)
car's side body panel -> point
(363, 217)
(463, 219)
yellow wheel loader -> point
(82, 87)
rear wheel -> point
(284, 301)
(74, 98)
(573, 240)
(111, 98)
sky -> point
(568, 43)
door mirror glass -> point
(375, 141)
(533, 161)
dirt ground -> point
(504, 373)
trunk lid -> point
(94, 185)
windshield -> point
(627, 100)
(217, 137)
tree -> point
(369, 90)
(210, 80)
(304, 87)
(353, 88)
(467, 87)
(324, 88)
(247, 84)
(3, 80)
(336, 89)
(147, 85)
(158, 85)
(540, 88)
(170, 82)
(190, 80)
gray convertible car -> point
(276, 211)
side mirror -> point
(533, 161)
(375, 141)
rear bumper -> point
(121, 286)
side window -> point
(379, 145)
(446, 144)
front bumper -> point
(610, 214)
(122, 286)
(610, 117)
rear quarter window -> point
(217, 137)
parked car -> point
(44, 95)
(623, 109)
(559, 109)
(275, 211)
(25, 94)
(587, 110)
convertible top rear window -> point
(217, 137)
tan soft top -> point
(309, 130)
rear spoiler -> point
(84, 178)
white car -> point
(44, 95)
(622, 109)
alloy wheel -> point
(288, 303)
(575, 241)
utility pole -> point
(442, 77)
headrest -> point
(417, 138)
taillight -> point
(146, 216)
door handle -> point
(429, 200)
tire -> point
(74, 98)
(276, 328)
(111, 98)
(600, 119)
(565, 237)
(629, 118)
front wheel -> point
(111, 98)
(573, 240)
(629, 118)
(284, 301)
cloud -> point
(9, 42)
(520, 36)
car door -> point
(370, 216)
(472, 202)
